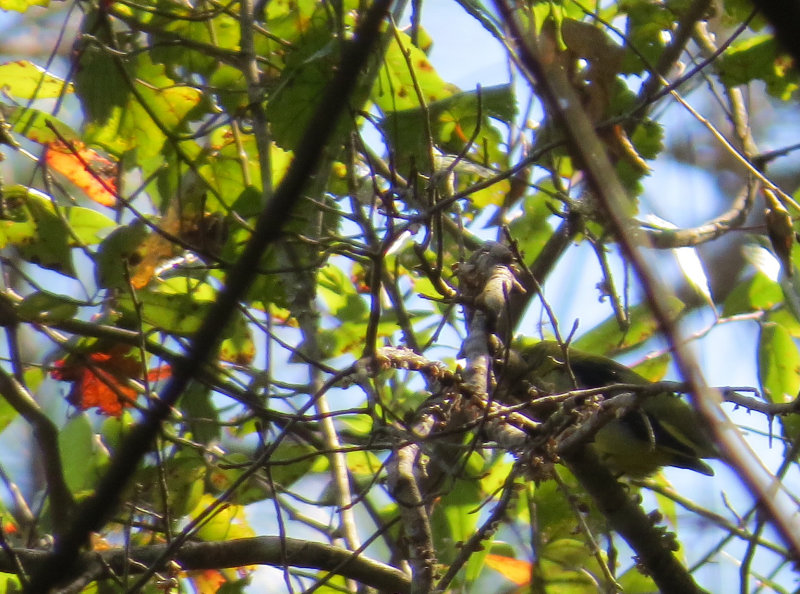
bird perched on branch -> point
(660, 430)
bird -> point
(663, 430)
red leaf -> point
(99, 379)
(159, 373)
(86, 168)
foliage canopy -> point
(265, 269)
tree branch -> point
(262, 550)
(46, 435)
(97, 509)
(549, 76)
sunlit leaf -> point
(7, 412)
(206, 581)
(607, 338)
(514, 570)
(307, 71)
(233, 168)
(784, 318)
(452, 121)
(454, 520)
(180, 314)
(115, 429)
(26, 80)
(758, 58)
(779, 370)
(634, 581)
(757, 293)
(227, 523)
(404, 68)
(40, 126)
(121, 120)
(779, 363)
(87, 169)
(184, 473)
(22, 5)
(655, 368)
(87, 226)
(28, 220)
(238, 347)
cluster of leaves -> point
(192, 114)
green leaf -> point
(308, 69)
(783, 317)
(115, 429)
(363, 464)
(230, 174)
(654, 369)
(230, 86)
(339, 295)
(453, 121)
(26, 80)
(288, 463)
(32, 225)
(174, 313)
(646, 24)
(88, 226)
(43, 306)
(184, 475)
(81, 456)
(475, 565)
(238, 347)
(218, 34)
(758, 293)
(607, 338)
(779, 372)
(778, 363)
(122, 121)
(227, 523)
(736, 11)
(38, 126)
(118, 253)
(634, 581)
(758, 58)
(202, 417)
(565, 565)
(394, 88)
(22, 5)
(9, 584)
(454, 519)
(532, 230)
(7, 412)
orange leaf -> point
(206, 233)
(206, 581)
(99, 379)
(101, 389)
(514, 570)
(86, 168)
(9, 527)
